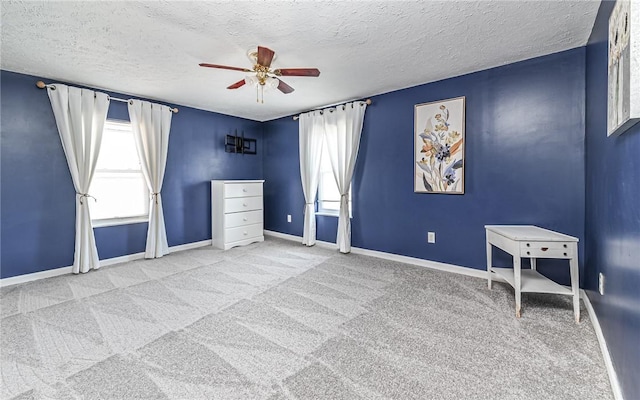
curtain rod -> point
(368, 101)
(42, 85)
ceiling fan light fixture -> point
(251, 80)
(261, 84)
(272, 83)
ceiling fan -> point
(264, 75)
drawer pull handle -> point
(528, 253)
(244, 204)
(245, 219)
(565, 246)
(528, 245)
(244, 190)
(544, 248)
(244, 233)
(565, 254)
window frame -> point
(327, 212)
(131, 219)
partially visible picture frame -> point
(623, 88)
(439, 139)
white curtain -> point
(80, 115)
(151, 124)
(343, 128)
(311, 141)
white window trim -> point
(327, 214)
(332, 213)
(100, 223)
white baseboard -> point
(121, 259)
(613, 377)
(456, 269)
(283, 235)
(14, 280)
(190, 246)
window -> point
(328, 193)
(118, 184)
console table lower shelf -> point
(532, 281)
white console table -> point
(527, 241)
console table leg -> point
(517, 282)
(489, 264)
(575, 284)
(534, 264)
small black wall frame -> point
(240, 144)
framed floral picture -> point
(623, 94)
(439, 147)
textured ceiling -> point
(152, 49)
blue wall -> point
(612, 218)
(524, 165)
(37, 197)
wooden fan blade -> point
(265, 56)
(297, 72)
(224, 67)
(283, 87)
(237, 84)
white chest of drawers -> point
(236, 213)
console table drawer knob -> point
(544, 248)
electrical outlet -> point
(601, 283)
(288, 217)
(431, 237)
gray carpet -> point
(277, 320)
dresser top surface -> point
(239, 181)
(529, 232)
